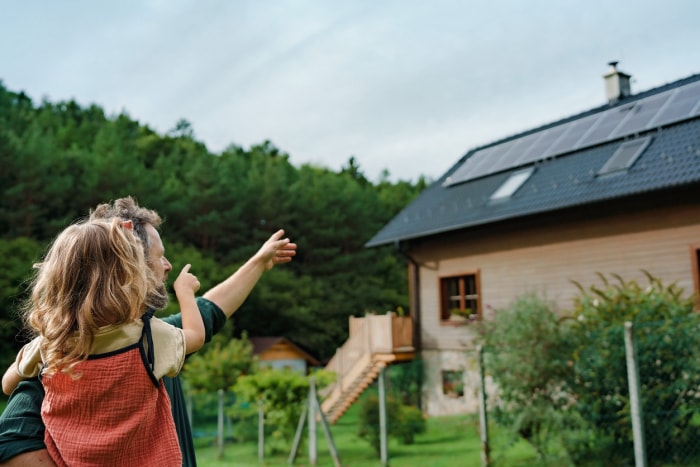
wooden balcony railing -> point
(374, 339)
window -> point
(625, 156)
(459, 297)
(453, 383)
(512, 184)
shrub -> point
(403, 422)
(405, 380)
(221, 365)
(411, 422)
(526, 354)
(667, 341)
(282, 395)
(565, 379)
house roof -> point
(656, 134)
(262, 344)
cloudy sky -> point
(405, 86)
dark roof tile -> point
(671, 159)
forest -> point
(60, 159)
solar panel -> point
(515, 150)
(644, 114)
(605, 125)
(496, 154)
(532, 141)
(574, 134)
(696, 110)
(499, 156)
(470, 168)
(541, 149)
(683, 102)
(640, 116)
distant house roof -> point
(262, 344)
(644, 143)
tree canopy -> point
(62, 159)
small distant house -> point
(281, 353)
(615, 189)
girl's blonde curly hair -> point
(93, 275)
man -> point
(21, 429)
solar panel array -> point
(642, 115)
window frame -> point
(444, 315)
(452, 383)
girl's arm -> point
(11, 379)
(185, 287)
(26, 365)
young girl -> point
(100, 355)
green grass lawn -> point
(448, 441)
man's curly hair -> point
(127, 209)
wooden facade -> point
(544, 256)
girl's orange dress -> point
(117, 412)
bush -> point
(405, 380)
(220, 366)
(244, 417)
(403, 422)
(281, 394)
(411, 422)
(564, 379)
(667, 342)
(527, 351)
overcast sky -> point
(405, 86)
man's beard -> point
(157, 298)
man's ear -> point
(128, 225)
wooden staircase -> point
(375, 341)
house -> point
(281, 353)
(615, 189)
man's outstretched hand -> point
(277, 250)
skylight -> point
(510, 186)
(625, 156)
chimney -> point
(617, 84)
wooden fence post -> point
(635, 400)
(220, 425)
(483, 415)
(382, 420)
